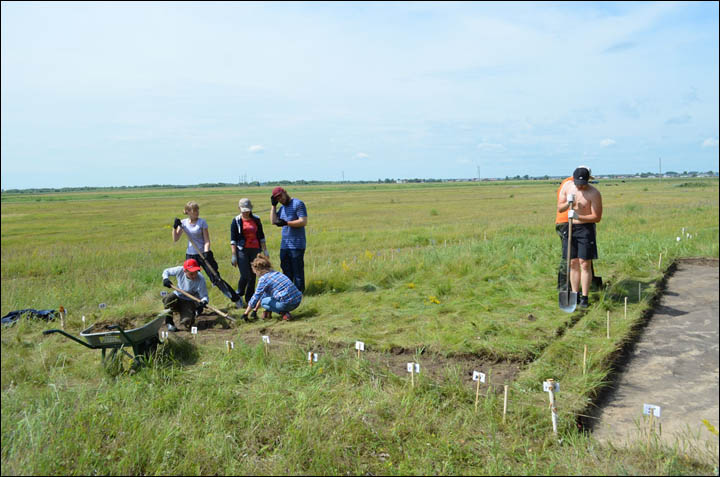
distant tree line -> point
(304, 182)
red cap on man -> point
(278, 191)
(191, 265)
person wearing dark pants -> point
(292, 217)
(247, 240)
(198, 234)
(583, 204)
(191, 282)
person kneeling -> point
(191, 282)
(274, 291)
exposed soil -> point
(671, 361)
(432, 365)
(126, 323)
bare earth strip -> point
(674, 364)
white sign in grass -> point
(413, 368)
(83, 320)
(102, 306)
(312, 357)
(651, 410)
(359, 346)
(230, 345)
(479, 378)
(163, 335)
(193, 330)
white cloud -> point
(256, 148)
(710, 142)
(361, 155)
(607, 142)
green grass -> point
(453, 269)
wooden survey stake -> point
(552, 387)
(359, 346)
(480, 378)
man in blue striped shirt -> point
(274, 292)
(292, 217)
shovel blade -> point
(567, 301)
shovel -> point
(568, 298)
(224, 315)
(215, 278)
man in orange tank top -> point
(585, 211)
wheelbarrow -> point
(143, 340)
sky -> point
(122, 94)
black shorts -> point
(583, 242)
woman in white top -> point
(199, 247)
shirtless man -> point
(585, 211)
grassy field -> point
(451, 273)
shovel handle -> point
(224, 315)
(569, 247)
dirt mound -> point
(126, 323)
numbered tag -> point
(230, 345)
(478, 376)
(102, 306)
(163, 293)
(266, 339)
(413, 367)
(163, 335)
(649, 409)
(359, 345)
(193, 330)
(83, 320)
(312, 356)
(551, 386)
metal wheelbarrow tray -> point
(143, 340)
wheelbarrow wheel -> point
(117, 362)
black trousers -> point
(214, 275)
(246, 284)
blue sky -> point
(111, 94)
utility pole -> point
(478, 172)
(343, 176)
(660, 169)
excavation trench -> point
(670, 360)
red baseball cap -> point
(278, 191)
(191, 265)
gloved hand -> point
(245, 317)
(200, 308)
(177, 223)
(273, 200)
(571, 198)
(253, 315)
(572, 214)
(280, 222)
(233, 259)
(167, 282)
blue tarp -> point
(13, 316)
